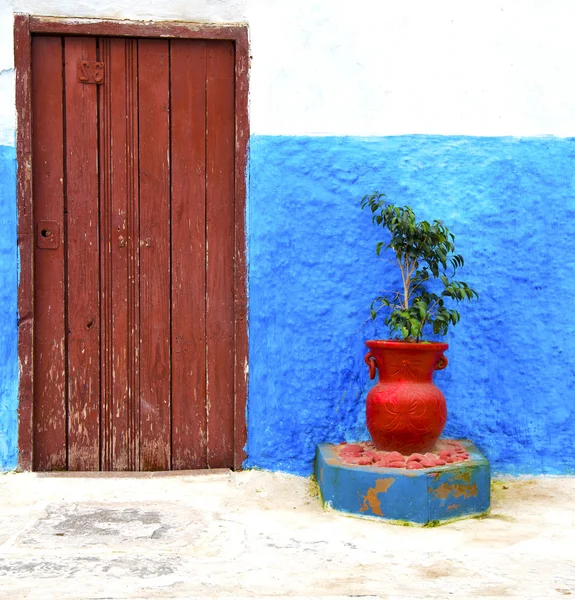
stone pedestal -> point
(419, 497)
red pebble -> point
(350, 457)
(433, 458)
(415, 457)
(372, 454)
(395, 456)
(364, 460)
(414, 465)
(397, 464)
(423, 460)
(351, 448)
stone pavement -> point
(257, 534)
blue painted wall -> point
(313, 273)
(510, 385)
(8, 311)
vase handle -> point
(371, 362)
(441, 363)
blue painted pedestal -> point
(420, 497)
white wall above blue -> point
(376, 68)
(391, 68)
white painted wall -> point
(386, 67)
(218, 11)
(7, 79)
(373, 67)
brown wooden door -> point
(133, 186)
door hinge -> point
(91, 71)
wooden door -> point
(133, 186)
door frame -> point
(24, 27)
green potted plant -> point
(405, 411)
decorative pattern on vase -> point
(405, 410)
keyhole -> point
(90, 323)
(46, 233)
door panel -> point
(155, 371)
(220, 250)
(82, 253)
(134, 309)
(188, 156)
(119, 255)
(49, 323)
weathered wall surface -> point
(313, 273)
(8, 310)
(436, 104)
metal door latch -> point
(48, 235)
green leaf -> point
(422, 307)
(414, 243)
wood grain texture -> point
(240, 249)
(119, 254)
(133, 232)
(111, 275)
(188, 139)
(82, 246)
(220, 251)
(176, 273)
(139, 29)
(49, 289)
(153, 69)
(23, 66)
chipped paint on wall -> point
(458, 490)
(371, 500)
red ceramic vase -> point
(405, 410)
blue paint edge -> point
(9, 276)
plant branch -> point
(405, 281)
(417, 243)
(411, 268)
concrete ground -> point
(259, 534)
